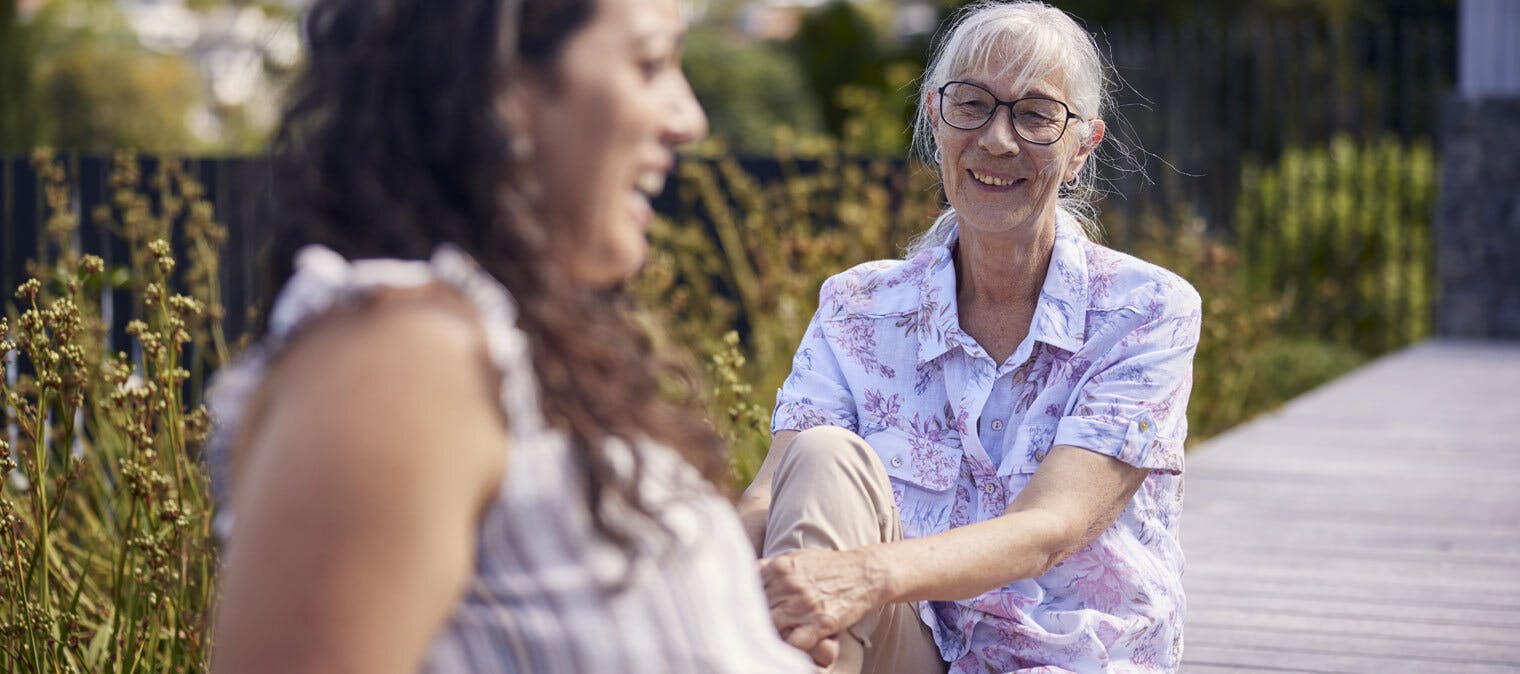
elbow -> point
(1062, 537)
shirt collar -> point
(1060, 314)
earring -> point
(521, 148)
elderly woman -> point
(977, 458)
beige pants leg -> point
(831, 492)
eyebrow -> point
(676, 36)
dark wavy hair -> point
(392, 143)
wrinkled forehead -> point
(1013, 61)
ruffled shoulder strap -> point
(323, 281)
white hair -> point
(1032, 42)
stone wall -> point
(1477, 223)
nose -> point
(998, 136)
(685, 121)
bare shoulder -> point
(402, 381)
(365, 463)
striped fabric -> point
(548, 595)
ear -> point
(1085, 149)
(933, 112)
(514, 110)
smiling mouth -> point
(993, 181)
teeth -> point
(989, 180)
(651, 183)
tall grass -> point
(106, 561)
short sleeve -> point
(1134, 408)
(815, 393)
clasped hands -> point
(815, 595)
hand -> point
(816, 594)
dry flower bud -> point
(29, 289)
(91, 264)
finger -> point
(826, 652)
(783, 619)
(804, 638)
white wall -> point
(1488, 48)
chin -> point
(613, 267)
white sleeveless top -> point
(544, 596)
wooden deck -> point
(1371, 525)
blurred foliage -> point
(1343, 232)
(106, 557)
(76, 77)
(118, 98)
(92, 87)
(18, 45)
(748, 90)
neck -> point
(1003, 267)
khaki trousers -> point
(831, 492)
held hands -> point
(815, 594)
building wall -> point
(1478, 217)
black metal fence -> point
(1203, 100)
(238, 187)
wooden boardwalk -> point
(1371, 525)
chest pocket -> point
(1028, 448)
(924, 463)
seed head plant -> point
(106, 560)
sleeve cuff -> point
(1136, 442)
(802, 414)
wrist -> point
(881, 574)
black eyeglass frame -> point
(1012, 117)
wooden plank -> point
(1420, 591)
(1206, 668)
(1340, 568)
(1379, 538)
(1411, 626)
(1203, 633)
(1245, 657)
(1205, 603)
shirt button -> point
(997, 424)
(989, 487)
(1145, 426)
(896, 462)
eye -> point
(651, 66)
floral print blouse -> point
(1107, 366)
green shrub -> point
(106, 560)
(1342, 232)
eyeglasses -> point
(1036, 119)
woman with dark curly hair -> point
(449, 451)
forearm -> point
(754, 509)
(967, 561)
